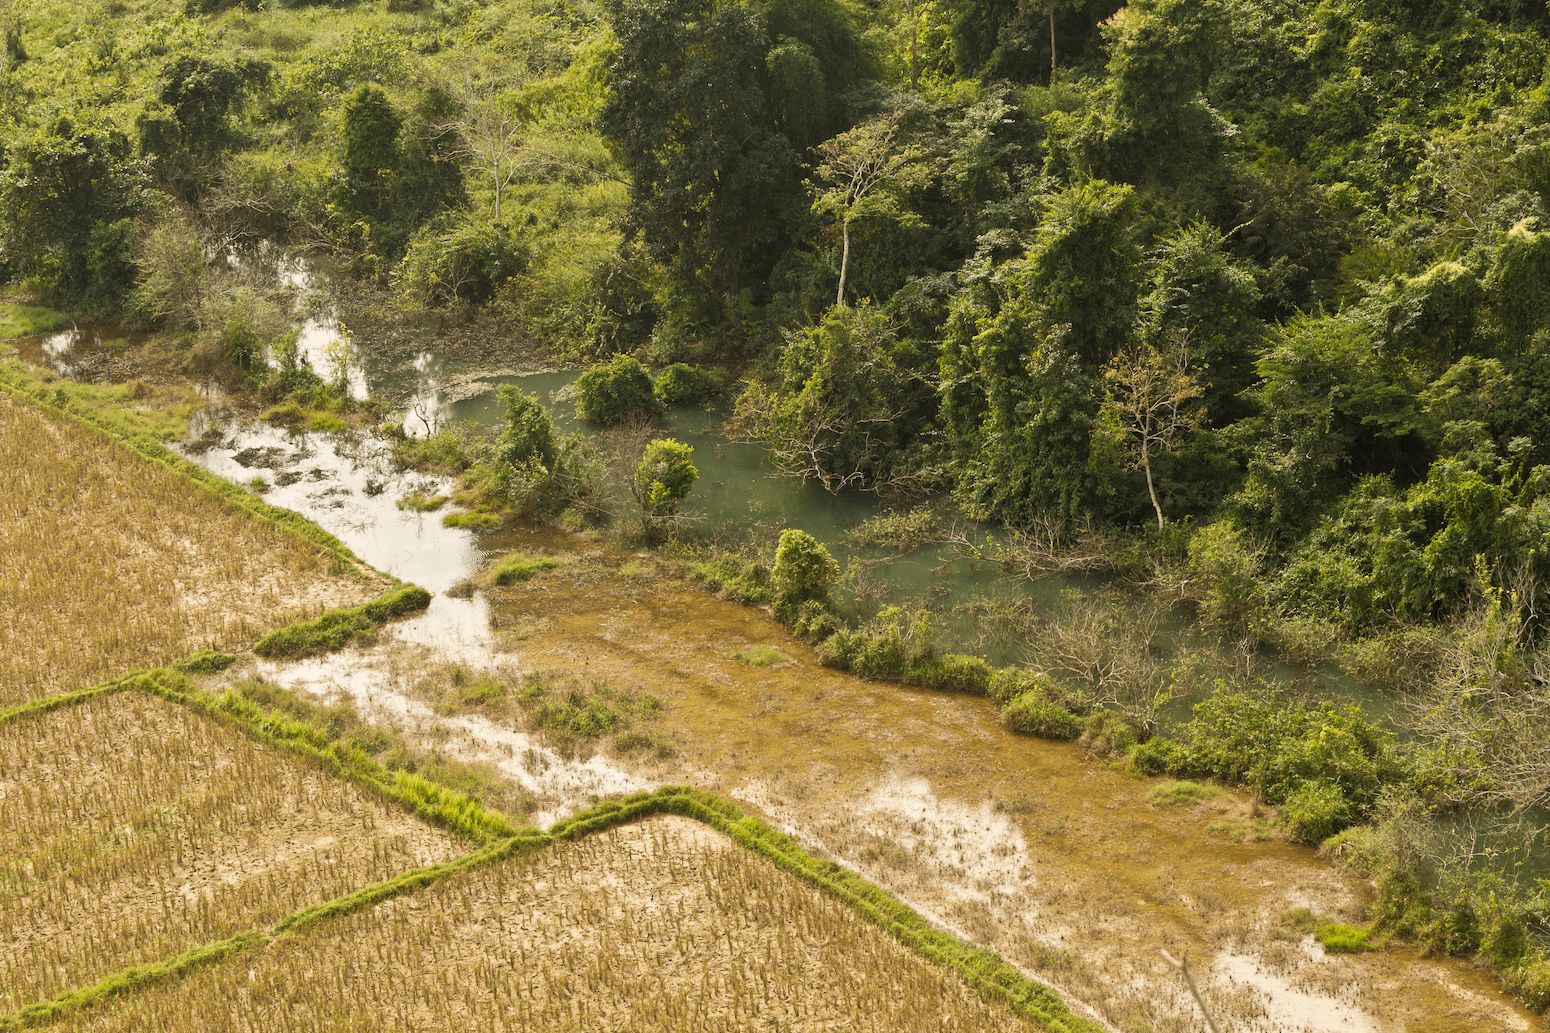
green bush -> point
(681, 383)
(1033, 713)
(1108, 733)
(1339, 938)
(663, 479)
(615, 390)
(955, 672)
(734, 577)
(895, 646)
(1225, 576)
(1315, 811)
(804, 571)
(1007, 683)
(1531, 981)
(465, 259)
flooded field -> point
(1036, 849)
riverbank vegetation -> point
(1227, 283)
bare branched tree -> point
(487, 135)
(1154, 401)
(862, 173)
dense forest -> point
(1250, 295)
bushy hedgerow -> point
(616, 390)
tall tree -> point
(863, 173)
(69, 195)
(1152, 400)
(711, 106)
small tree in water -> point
(804, 570)
(662, 481)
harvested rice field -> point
(109, 562)
(662, 926)
(132, 829)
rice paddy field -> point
(133, 829)
(166, 851)
(662, 925)
(108, 562)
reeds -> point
(132, 829)
(108, 561)
(660, 926)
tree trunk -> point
(914, 47)
(1052, 61)
(1151, 489)
(839, 298)
(497, 178)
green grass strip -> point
(155, 451)
(426, 799)
(982, 969)
(44, 705)
(130, 979)
(336, 629)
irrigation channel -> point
(1036, 849)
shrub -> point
(681, 383)
(1007, 683)
(1108, 732)
(734, 577)
(1531, 982)
(1161, 757)
(463, 259)
(955, 672)
(536, 472)
(814, 621)
(804, 570)
(663, 479)
(1224, 573)
(1033, 713)
(615, 390)
(1315, 811)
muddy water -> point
(1030, 847)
